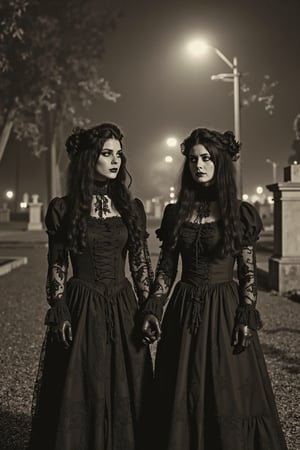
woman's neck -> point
(208, 193)
(100, 187)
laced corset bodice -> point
(103, 259)
(200, 245)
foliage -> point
(264, 95)
(50, 55)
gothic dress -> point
(208, 397)
(90, 396)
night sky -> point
(165, 92)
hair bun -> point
(233, 146)
(82, 139)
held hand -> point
(241, 339)
(65, 332)
(151, 331)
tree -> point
(50, 72)
(264, 94)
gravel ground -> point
(23, 309)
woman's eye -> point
(206, 158)
(106, 154)
(193, 160)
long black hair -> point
(223, 149)
(84, 147)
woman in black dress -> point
(212, 387)
(94, 375)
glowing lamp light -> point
(171, 142)
(23, 205)
(197, 47)
(172, 195)
(9, 194)
(168, 159)
(172, 189)
(270, 199)
(295, 162)
(245, 197)
(259, 190)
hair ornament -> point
(225, 142)
(82, 139)
(182, 148)
(233, 146)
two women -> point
(94, 376)
(212, 386)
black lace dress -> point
(207, 397)
(90, 397)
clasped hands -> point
(241, 338)
(151, 330)
(62, 333)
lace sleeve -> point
(57, 268)
(164, 279)
(247, 313)
(139, 258)
(141, 271)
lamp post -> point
(274, 167)
(199, 47)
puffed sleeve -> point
(139, 258)
(251, 223)
(246, 313)
(166, 267)
(163, 233)
(55, 221)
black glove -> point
(151, 331)
(241, 338)
(62, 334)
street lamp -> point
(274, 167)
(9, 194)
(171, 142)
(197, 48)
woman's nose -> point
(199, 163)
(114, 160)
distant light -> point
(23, 205)
(172, 189)
(171, 142)
(254, 198)
(168, 159)
(259, 190)
(245, 197)
(295, 162)
(9, 194)
(172, 195)
(197, 47)
(270, 199)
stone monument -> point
(35, 209)
(284, 264)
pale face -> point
(201, 165)
(109, 161)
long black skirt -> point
(91, 397)
(208, 398)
